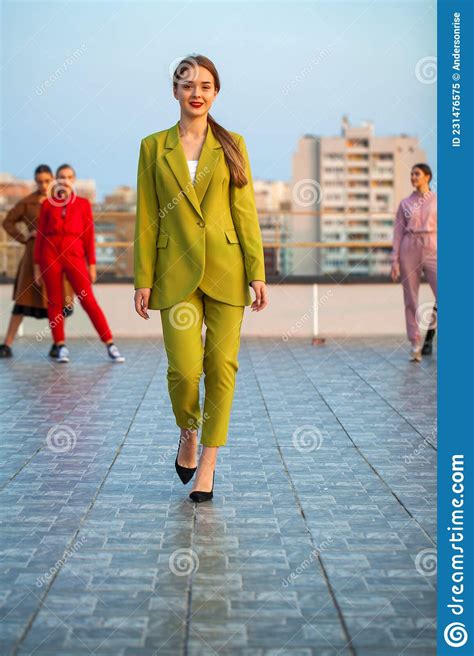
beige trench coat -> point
(25, 292)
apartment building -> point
(347, 188)
(273, 201)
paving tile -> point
(324, 496)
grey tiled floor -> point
(320, 539)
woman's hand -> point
(31, 235)
(395, 273)
(92, 273)
(37, 274)
(261, 300)
(142, 296)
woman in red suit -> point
(65, 244)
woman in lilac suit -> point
(415, 252)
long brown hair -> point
(187, 70)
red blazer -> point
(66, 229)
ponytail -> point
(187, 69)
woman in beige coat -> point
(30, 299)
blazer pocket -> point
(162, 240)
(231, 236)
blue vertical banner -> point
(455, 631)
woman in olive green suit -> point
(198, 250)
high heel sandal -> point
(185, 473)
(200, 496)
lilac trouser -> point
(418, 253)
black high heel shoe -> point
(185, 473)
(428, 345)
(200, 496)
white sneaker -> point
(114, 353)
(415, 353)
(63, 354)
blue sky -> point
(107, 63)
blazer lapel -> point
(206, 165)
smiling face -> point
(419, 179)
(195, 92)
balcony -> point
(357, 175)
(378, 174)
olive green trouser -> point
(188, 357)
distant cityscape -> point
(343, 189)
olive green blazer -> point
(189, 235)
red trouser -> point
(75, 268)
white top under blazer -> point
(192, 165)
